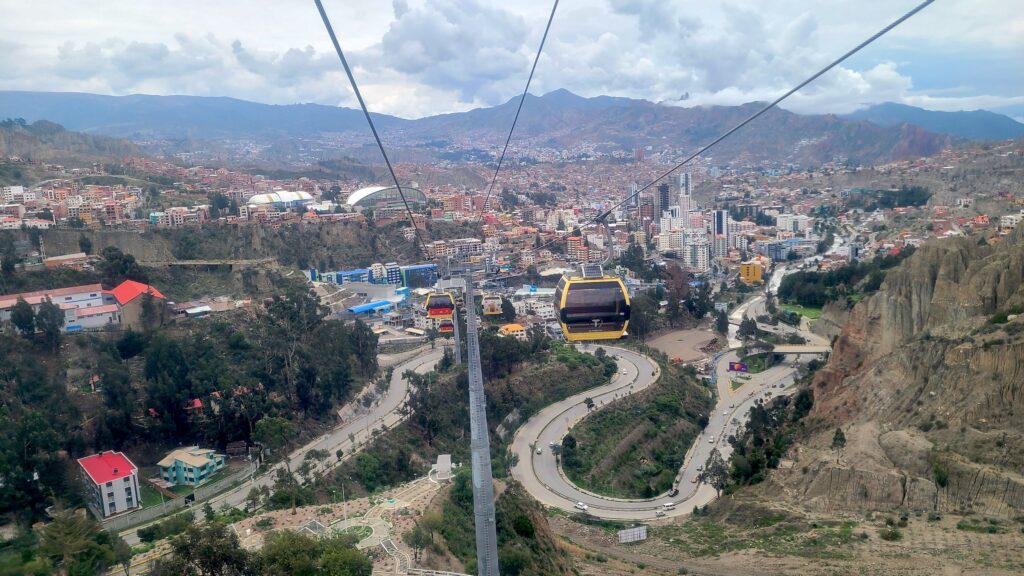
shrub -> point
(890, 535)
(264, 523)
(941, 473)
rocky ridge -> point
(927, 381)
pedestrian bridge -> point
(801, 349)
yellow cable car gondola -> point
(446, 326)
(440, 305)
(592, 306)
(492, 305)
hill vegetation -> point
(526, 546)
(634, 447)
(439, 417)
(847, 284)
(208, 383)
(46, 141)
(214, 548)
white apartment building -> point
(111, 483)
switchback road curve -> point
(543, 479)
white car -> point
(582, 506)
(711, 440)
(540, 450)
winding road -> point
(543, 478)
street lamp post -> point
(344, 501)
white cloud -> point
(420, 57)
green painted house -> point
(190, 466)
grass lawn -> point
(756, 363)
(183, 489)
(150, 497)
(811, 313)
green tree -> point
(23, 318)
(77, 545)
(8, 259)
(673, 311)
(150, 311)
(838, 442)
(84, 244)
(722, 322)
(289, 553)
(508, 311)
(748, 329)
(210, 549)
(276, 434)
(716, 472)
(49, 321)
(117, 267)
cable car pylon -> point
(480, 444)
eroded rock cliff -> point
(929, 390)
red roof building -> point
(107, 466)
(129, 290)
(111, 483)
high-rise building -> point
(686, 204)
(671, 220)
(633, 199)
(719, 246)
(696, 253)
(720, 223)
(684, 183)
(662, 201)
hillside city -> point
(547, 335)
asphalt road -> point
(542, 477)
(386, 412)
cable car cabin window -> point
(595, 301)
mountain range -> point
(973, 124)
(559, 120)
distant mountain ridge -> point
(973, 124)
(559, 120)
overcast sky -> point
(415, 58)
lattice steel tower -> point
(480, 447)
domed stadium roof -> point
(280, 197)
(383, 195)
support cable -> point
(369, 120)
(522, 99)
(750, 119)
